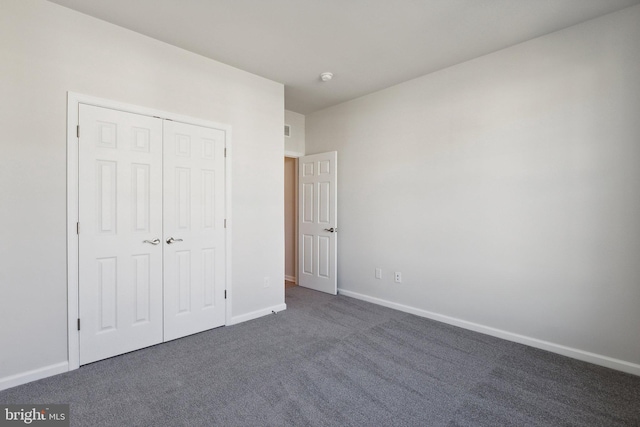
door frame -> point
(295, 156)
(73, 105)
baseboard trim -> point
(291, 279)
(33, 375)
(256, 314)
(597, 359)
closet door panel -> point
(120, 215)
(194, 198)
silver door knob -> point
(331, 230)
(153, 242)
(171, 240)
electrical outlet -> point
(378, 273)
(398, 277)
(267, 282)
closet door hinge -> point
(78, 131)
(77, 228)
(225, 294)
(225, 223)
(78, 324)
(225, 151)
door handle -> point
(331, 230)
(153, 242)
(171, 240)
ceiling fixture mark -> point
(325, 77)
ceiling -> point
(368, 44)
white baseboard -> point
(33, 375)
(256, 314)
(291, 279)
(575, 353)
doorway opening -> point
(290, 222)
(311, 225)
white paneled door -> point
(317, 211)
(120, 213)
(151, 234)
(194, 253)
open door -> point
(317, 221)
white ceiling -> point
(368, 44)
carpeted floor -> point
(337, 361)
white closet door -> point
(194, 208)
(120, 218)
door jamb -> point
(295, 156)
(73, 106)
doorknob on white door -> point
(171, 240)
(153, 242)
(331, 230)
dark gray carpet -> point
(337, 361)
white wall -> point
(47, 50)
(294, 144)
(505, 189)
